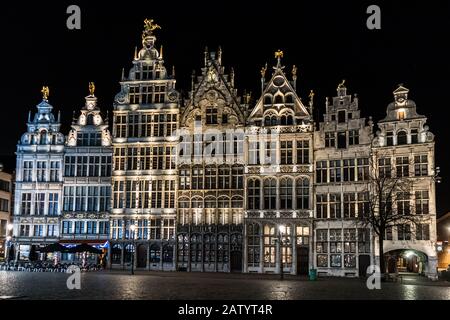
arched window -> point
(268, 100)
(43, 137)
(289, 99)
(283, 120)
(210, 202)
(401, 137)
(197, 203)
(254, 195)
(237, 202)
(270, 193)
(267, 121)
(274, 120)
(223, 202)
(302, 193)
(290, 120)
(278, 99)
(286, 193)
(90, 119)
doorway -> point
(302, 260)
(141, 256)
(363, 263)
(236, 261)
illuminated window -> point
(400, 115)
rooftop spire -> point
(161, 52)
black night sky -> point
(327, 40)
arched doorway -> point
(141, 256)
(406, 261)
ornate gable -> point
(279, 102)
(213, 98)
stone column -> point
(245, 249)
(294, 250)
(261, 248)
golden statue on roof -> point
(150, 26)
(91, 88)
(278, 54)
(45, 92)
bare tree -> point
(388, 195)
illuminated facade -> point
(210, 172)
(38, 193)
(278, 178)
(6, 205)
(342, 247)
(146, 112)
(87, 177)
(404, 148)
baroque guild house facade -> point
(214, 182)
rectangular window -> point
(4, 205)
(25, 230)
(403, 205)
(303, 152)
(363, 204)
(54, 170)
(286, 152)
(422, 202)
(342, 140)
(211, 115)
(349, 169)
(423, 232)
(364, 240)
(353, 137)
(26, 204)
(341, 116)
(69, 166)
(384, 168)
(414, 136)
(27, 171)
(389, 138)
(38, 230)
(404, 232)
(335, 170)
(402, 166)
(52, 230)
(41, 170)
(120, 126)
(363, 169)
(322, 206)
(421, 165)
(53, 204)
(39, 204)
(349, 205)
(253, 152)
(330, 139)
(388, 233)
(335, 205)
(321, 172)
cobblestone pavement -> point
(198, 286)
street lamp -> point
(133, 229)
(282, 230)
